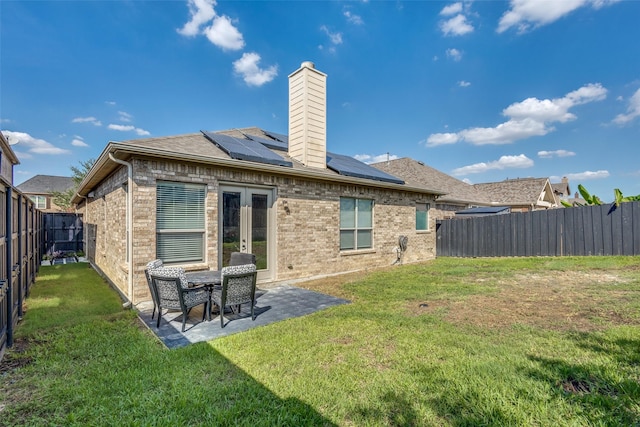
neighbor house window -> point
(356, 223)
(180, 222)
(40, 202)
(422, 216)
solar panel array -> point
(349, 166)
(257, 149)
(270, 143)
(278, 136)
(246, 149)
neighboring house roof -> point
(484, 211)
(7, 150)
(416, 173)
(562, 188)
(198, 148)
(46, 184)
(520, 192)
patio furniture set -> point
(174, 289)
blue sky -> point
(481, 90)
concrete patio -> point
(272, 305)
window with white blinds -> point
(180, 222)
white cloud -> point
(633, 110)
(91, 120)
(456, 26)
(451, 9)
(201, 12)
(335, 38)
(463, 83)
(5, 121)
(556, 153)
(531, 117)
(454, 54)
(128, 128)
(78, 141)
(436, 139)
(124, 116)
(505, 133)
(223, 34)
(110, 102)
(251, 73)
(505, 162)
(527, 14)
(31, 144)
(352, 18)
(587, 175)
(368, 159)
(467, 181)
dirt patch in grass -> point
(333, 285)
(14, 357)
(571, 300)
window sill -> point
(357, 252)
(424, 231)
(193, 267)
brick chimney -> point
(308, 116)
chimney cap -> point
(308, 64)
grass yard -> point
(452, 342)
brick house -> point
(40, 189)
(305, 212)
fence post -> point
(9, 232)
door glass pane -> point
(230, 225)
(259, 243)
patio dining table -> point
(209, 278)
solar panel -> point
(245, 149)
(349, 166)
(278, 136)
(270, 143)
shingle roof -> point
(196, 147)
(418, 174)
(46, 184)
(521, 191)
(561, 188)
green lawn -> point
(452, 342)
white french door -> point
(247, 225)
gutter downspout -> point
(129, 222)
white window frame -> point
(180, 222)
(38, 201)
(356, 228)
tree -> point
(595, 200)
(63, 198)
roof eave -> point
(94, 176)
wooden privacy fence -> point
(62, 232)
(586, 230)
(20, 254)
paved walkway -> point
(272, 305)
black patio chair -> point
(152, 265)
(174, 293)
(238, 287)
